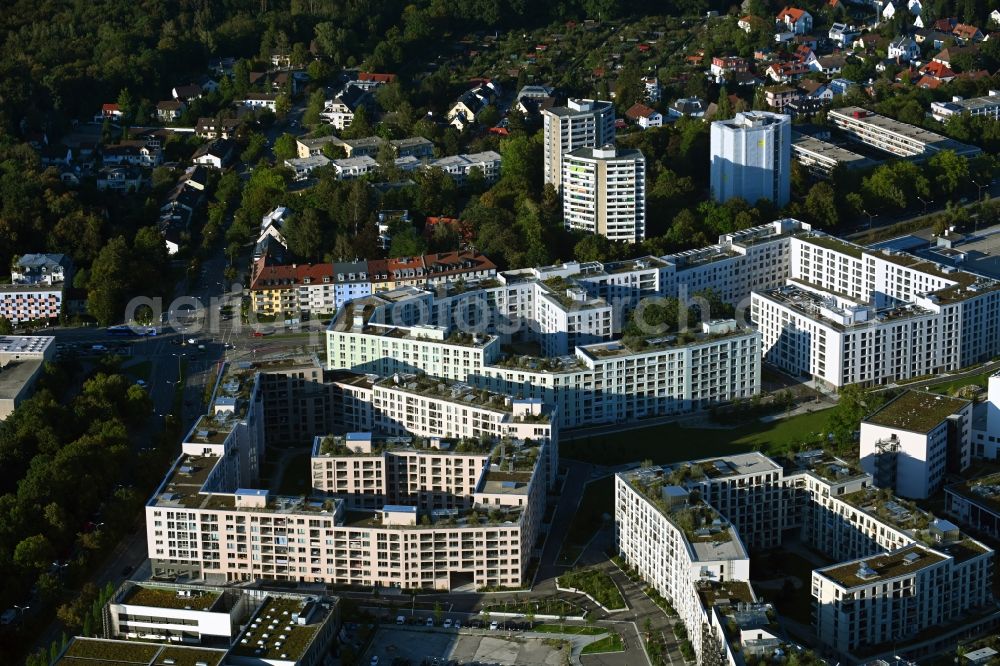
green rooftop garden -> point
(916, 411)
(168, 598)
(118, 652)
(287, 638)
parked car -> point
(430, 622)
(400, 619)
(494, 625)
(447, 623)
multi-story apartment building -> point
(987, 107)
(323, 288)
(894, 137)
(672, 529)
(207, 521)
(293, 289)
(591, 382)
(751, 157)
(459, 167)
(350, 281)
(35, 292)
(604, 192)
(582, 123)
(680, 545)
(884, 598)
(851, 315)
(986, 422)
(914, 440)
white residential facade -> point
(751, 157)
(582, 123)
(604, 192)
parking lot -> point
(400, 645)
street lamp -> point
(924, 202)
(870, 216)
(979, 196)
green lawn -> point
(610, 643)
(597, 584)
(598, 499)
(671, 443)
(948, 388)
(570, 629)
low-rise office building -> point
(986, 107)
(822, 157)
(22, 360)
(160, 624)
(894, 137)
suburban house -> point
(832, 64)
(187, 93)
(48, 269)
(651, 84)
(215, 154)
(302, 167)
(643, 116)
(463, 112)
(136, 153)
(119, 178)
(903, 49)
(967, 34)
(888, 11)
(947, 56)
(217, 128)
(937, 70)
(256, 100)
(692, 107)
(796, 21)
(340, 111)
(778, 97)
(170, 111)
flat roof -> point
(25, 344)
(878, 568)
(824, 150)
(916, 411)
(274, 633)
(165, 597)
(932, 141)
(107, 652)
(15, 375)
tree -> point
(407, 243)
(282, 105)
(854, 405)
(821, 205)
(6, 328)
(304, 234)
(438, 612)
(285, 147)
(34, 553)
(359, 127)
(109, 281)
(317, 100)
(256, 145)
(724, 108)
(949, 171)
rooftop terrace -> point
(155, 597)
(878, 568)
(916, 411)
(275, 633)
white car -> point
(430, 622)
(374, 661)
(447, 623)
(400, 619)
(494, 625)
(192, 341)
